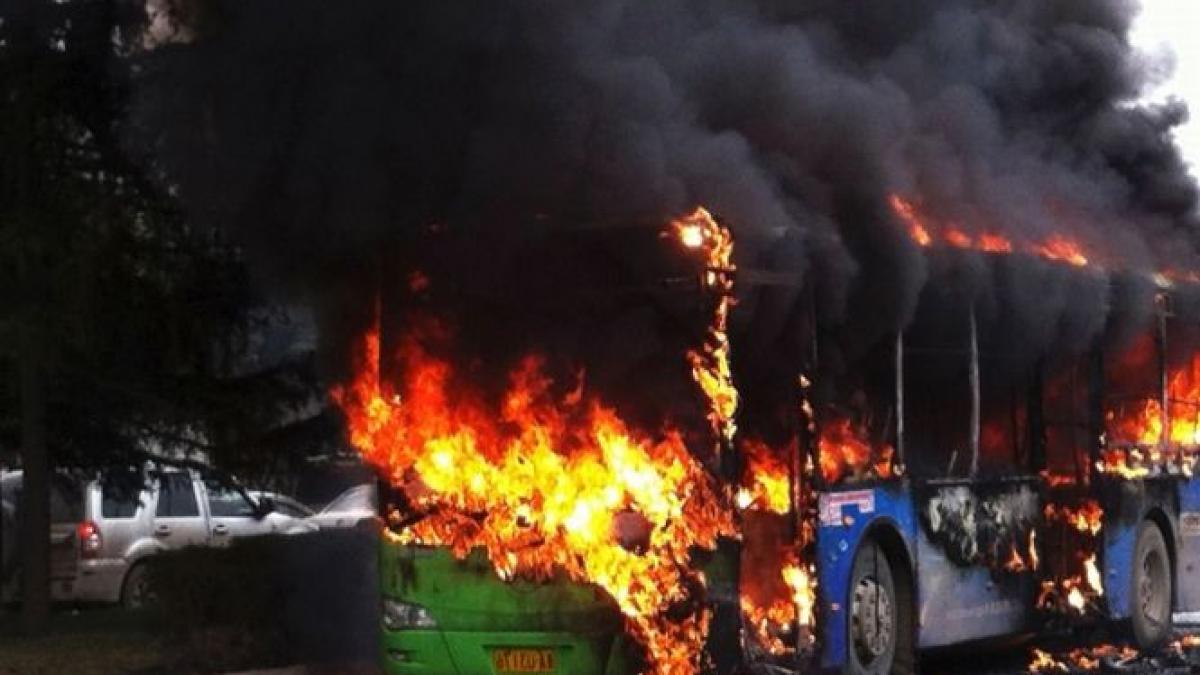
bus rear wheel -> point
(1151, 588)
(879, 635)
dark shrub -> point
(270, 601)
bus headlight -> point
(405, 615)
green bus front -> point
(443, 615)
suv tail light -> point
(89, 539)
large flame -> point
(1142, 424)
(771, 610)
(542, 482)
(700, 232)
(544, 479)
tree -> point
(126, 326)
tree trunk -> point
(35, 493)
(34, 536)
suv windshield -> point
(225, 502)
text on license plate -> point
(523, 660)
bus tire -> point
(1151, 590)
(879, 640)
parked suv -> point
(103, 530)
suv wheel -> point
(136, 592)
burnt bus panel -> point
(1126, 503)
(1187, 575)
(845, 517)
(968, 532)
(960, 603)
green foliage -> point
(143, 317)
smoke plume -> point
(333, 136)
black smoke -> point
(334, 137)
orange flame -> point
(1088, 518)
(767, 481)
(1043, 662)
(802, 579)
(907, 211)
(1021, 561)
(1074, 592)
(1142, 424)
(994, 243)
(1126, 464)
(845, 453)
(774, 609)
(768, 622)
(540, 484)
(699, 231)
(957, 238)
(1080, 659)
(1057, 247)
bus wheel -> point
(1151, 591)
(877, 619)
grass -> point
(106, 641)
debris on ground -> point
(1179, 657)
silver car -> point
(103, 530)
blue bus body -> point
(958, 604)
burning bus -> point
(844, 503)
(953, 397)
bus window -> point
(1183, 382)
(1066, 418)
(856, 412)
(1004, 389)
(937, 388)
(1132, 392)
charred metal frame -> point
(900, 398)
(975, 394)
(1161, 309)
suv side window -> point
(118, 504)
(176, 497)
(120, 495)
(224, 502)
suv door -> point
(178, 520)
(232, 514)
(119, 503)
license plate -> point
(523, 660)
